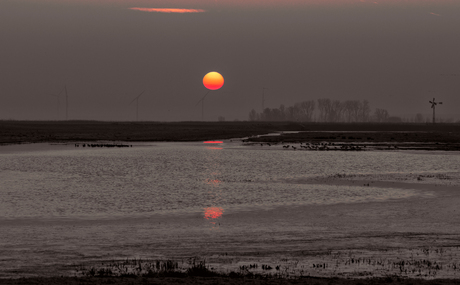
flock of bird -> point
(321, 146)
(102, 145)
(326, 146)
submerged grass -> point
(148, 268)
(421, 268)
(197, 271)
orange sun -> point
(213, 80)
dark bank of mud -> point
(416, 136)
(364, 140)
(13, 132)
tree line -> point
(323, 110)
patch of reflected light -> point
(168, 10)
(214, 182)
(213, 147)
(213, 213)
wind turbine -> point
(66, 103)
(57, 106)
(137, 104)
(202, 105)
(433, 106)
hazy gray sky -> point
(396, 54)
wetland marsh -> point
(235, 205)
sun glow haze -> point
(213, 80)
(299, 3)
(245, 3)
(168, 10)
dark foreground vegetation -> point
(168, 272)
(220, 280)
(12, 132)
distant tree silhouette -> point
(394, 119)
(324, 107)
(336, 110)
(303, 111)
(365, 111)
(381, 115)
(253, 116)
(419, 118)
(328, 111)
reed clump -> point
(132, 268)
(147, 268)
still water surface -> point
(61, 204)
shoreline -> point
(373, 135)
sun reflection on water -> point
(213, 147)
(212, 213)
(213, 182)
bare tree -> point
(266, 115)
(324, 107)
(289, 113)
(365, 111)
(303, 111)
(335, 112)
(381, 115)
(419, 118)
(348, 110)
(253, 116)
(356, 110)
(276, 115)
(282, 114)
